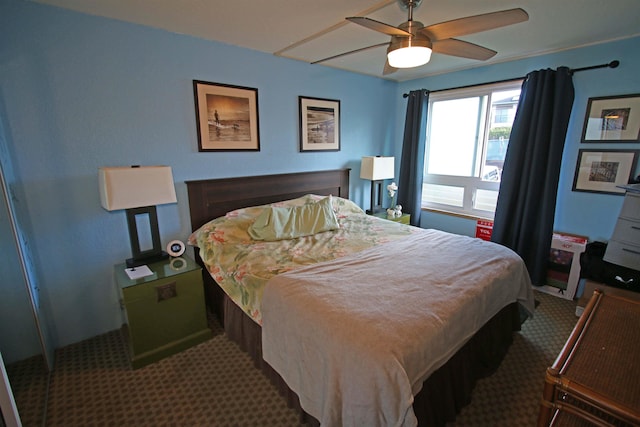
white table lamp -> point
(376, 169)
(138, 189)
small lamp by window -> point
(138, 189)
(376, 169)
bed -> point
(399, 382)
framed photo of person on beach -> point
(319, 124)
(226, 117)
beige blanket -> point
(356, 337)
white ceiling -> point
(309, 30)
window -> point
(502, 115)
(467, 137)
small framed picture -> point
(319, 124)
(612, 119)
(602, 171)
(226, 117)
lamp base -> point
(136, 262)
(376, 197)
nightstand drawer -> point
(623, 254)
(147, 291)
(165, 310)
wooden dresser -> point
(624, 247)
(596, 378)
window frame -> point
(470, 184)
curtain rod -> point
(612, 64)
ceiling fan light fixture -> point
(408, 52)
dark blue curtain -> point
(527, 201)
(412, 160)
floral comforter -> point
(242, 266)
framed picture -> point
(601, 171)
(612, 119)
(226, 117)
(319, 124)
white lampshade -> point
(135, 186)
(409, 57)
(377, 168)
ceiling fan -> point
(412, 43)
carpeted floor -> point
(216, 384)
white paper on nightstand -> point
(138, 272)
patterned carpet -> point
(216, 384)
(511, 396)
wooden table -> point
(592, 285)
(596, 377)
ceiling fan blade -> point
(381, 27)
(455, 47)
(350, 52)
(474, 24)
(388, 69)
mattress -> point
(242, 266)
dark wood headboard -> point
(212, 198)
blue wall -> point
(79, 92)
(588, 214)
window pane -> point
(501, 115)
(486, 200)
(503, 111)
(443, 194)
(453, 139)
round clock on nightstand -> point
(175, 248)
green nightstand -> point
(164, 313)
(404, 219)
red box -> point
(484, 229)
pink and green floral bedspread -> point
(242, 266)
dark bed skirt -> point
(443, 394)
